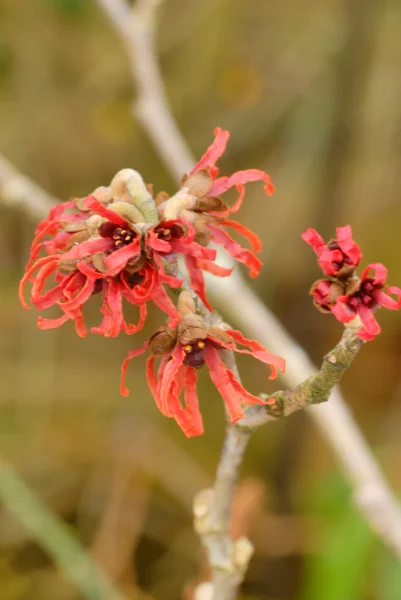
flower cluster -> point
(123, 244)
(351, 299)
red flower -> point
(340, 256)
(198, 203)
(365, 299)
(97, 250)
(185, 349)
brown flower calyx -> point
(326, 291)
(191, 333)
(193, 204)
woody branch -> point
(335, 422)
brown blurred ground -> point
(311, 92)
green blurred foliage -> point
(311, 93)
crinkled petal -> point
(170, 373)
(385, 300)
(211, 267)
(214, 152)
(242, 255)
(131, 354)
(222, 184)
(118, 259)
(380, 273)
(371, 327)
(252, 238)
(87, 249)
(83, 295)
(109, 214)
(221, 379)
(197, 280)
(347, 244)
(38, 264)
(311, 237)
(258, 351)
(341, 310)
(192, 402)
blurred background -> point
(311, 92)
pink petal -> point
(197, 280)
(118, 259)
(110, 215)
(158, 244)
(252, 238)
(131, 354)
(87, 249)
(222, 184)
(192, 402)
(257, 350)
(171, 371)
(347, 244)
(380, 273)
(387, 302)
(219, 236)
(221, 379)
(341, 310)
(211, 267)
(214, 152)
(371, 327)
(311, 237)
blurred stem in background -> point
(53, 536)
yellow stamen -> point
(188, 348)
(201, 344)
(127, 238)
(166, 231)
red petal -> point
(347, 244)
(131, 354)
(246, 397)
(219, 236)
(214, 152)
(110, 215)
(235, 207)
(211, 267)
(39, 263)
(371, 327)
(221, 379)
(157, 244)
(341, 310)
(380, 273)
(118, 259)
(257, 350)
(87, 249)
(197, 280)
(387, 302)
(162, 301)
(83, 295)
(52, 323)
(311, 237)
(170, 373)
(252, 238)
(192, 403)
(223, 184)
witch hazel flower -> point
(182, 351)
(351, 299)
(110, 243)
(340, 256)
(198, 202)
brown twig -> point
(371, 492)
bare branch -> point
(371, 493)
(136, 28)
(19, 191)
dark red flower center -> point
(365, 295)
(169, 230)
(121, 236)
(340, 257)
(134, 279)
(194, 354)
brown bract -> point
(193, 204)
(191, 328)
